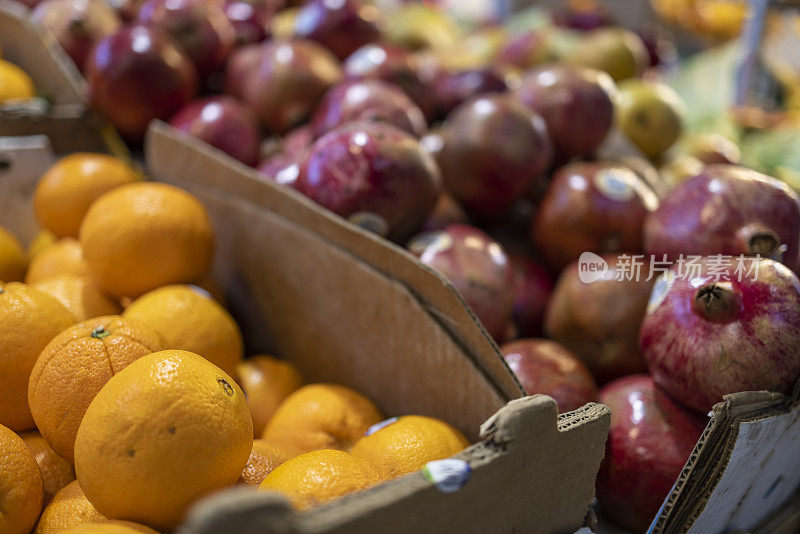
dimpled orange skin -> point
(142, 236)
(407, 444)
(320, 476)
(266, 381)
(68, 508)
(264, 457)
(69, 187)
(321, 416)
(29, 319)
(168, 430)
(13, 260)
(190, 319)
(21, 490)
(75, 366)
(111, 527)
(63, 257)
(56, 471)
(80, 295)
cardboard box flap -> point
(23, 160)
(173, 156)
(538, 470)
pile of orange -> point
(122, 380)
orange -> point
(264, 457)
(320, 476)
(69, 187)
(75, 366)
(29, 319)
(405, 444)
(56, 471)
(110, 527)
(168, 430)
(40, 242)
(21, 490)
(80, 295)
(63, 257)
(13, 261)
(142, 236)
(189, 319)
(321, 416)
(15, 84)
(266, 381)
(68, 508)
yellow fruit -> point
(264, 457)
(56, 471)
(43, 240)
(29, 319)
(321, 416)
(142, 236)
(407, 443)
(15, 84)
(66, 191)
(63, 257)
(189, 319)
(80, 295)
(266, 381)
(21, 490)
(75, 366)
(68, 508)
(13, 262)
(317, 477)
(166, 431)
(650, 114)
(111, 527)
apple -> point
(725, 327)
(494, 150)
(593, 206)
(599, 320)
(454, 88)
(650, 439)
(224, 123)
(250, 18)
(200, 26)
(342, 26)
(288, 81)
(136, 75)
(727, 210)
(447, 211)
(374, 174)
(534, 286)
(575, 102)
(478, 268)
(368, 100)
(544, 367)
(77, 24)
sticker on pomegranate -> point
(448, 475)
(615, 183)
(660, 290)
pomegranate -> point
(342, 26)
(534, 286)
(477, 266)
(727, 210)
(446, 212)
(525, 50)
(297, 142)
(250, 18)
(239, 68)
(724, 327)
(454, 88)
(650, 439)
(547, 368)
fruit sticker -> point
(660, 290)
(448, 475)
(379, 426)
(615, 183)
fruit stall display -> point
(520, 203)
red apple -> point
(494, 150)
(374, 174)
(368, 100)
(224, 123)
(342, 26)
(727, 210)
(287, 82)
(650, 439)
(446, 212)
(596, 207)
(77, 24)
(547, 368)
(599, 319)
(576, 103)
(534, 286)
(454, 88)
(250, 18)
(200, 26)
(725, 327)
(136, 75)
(477, 266)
